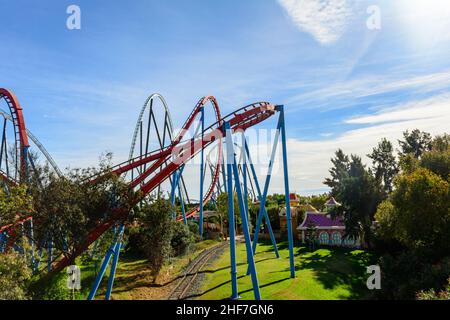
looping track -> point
(164, 162)
(159, 165)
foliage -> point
(418, 214)
(384, 164)
(51, 288)
(152, 231)
(67, 208)
(182, 238)
(415, 143)
(317, 201)
(311, 236)
(339, 172)
(405, 274)
(359, 193)
(14, 205)
(15, 276)
(437, 162)
(433, 295)
(222, 206)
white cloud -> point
(309, 161)
(325, 20)
(363, 87)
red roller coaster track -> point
(171, 158)
(162, 163)
(20, 131)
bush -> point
(182, 238)
(432, 295)
(151, 233)
(406, 274)
(195, 230)
(15, 276)
(51, 288)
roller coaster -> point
(160, 159)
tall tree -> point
(359, 193)
(418, 213)
(415, 143)
(338, 172)
(384, 164)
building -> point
(327, 231)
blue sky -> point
(343, 85)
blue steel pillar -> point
(112, 273)
(200, 221)
(244, 218)
(258, 190)
(111, 251)
(231, 225)
(266, 186)
(286, 190)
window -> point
(336, 239)
(324, 239)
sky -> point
(348, 72)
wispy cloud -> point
(369, 86)
(309, 161)
(325, 20)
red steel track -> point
(162, 163)
(166, 161)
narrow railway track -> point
(185, 283)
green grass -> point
(324, 274)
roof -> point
(293, 196)
(321, 220)
(332, 202)
(308, 208)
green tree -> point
(419, 215)
(415, 143)
(152, 232)
(15, 205)
(437, 162)
(384, 164)
(67, 208)
(339, 172)
(358, 192)
(311, 235)
(15, 277)
(441, 143)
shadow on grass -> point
(337, 267)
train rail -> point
(185, 283)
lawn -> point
(133, 279)
(323, 274)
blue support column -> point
(112, 273)
(31, 241)
(104, 266)
(49, 254)
(2, 242)
(248, 241)
(176, 186)
(286, 190)
(183, 210)
(231, 226)
(244, 173)
(258, 190)
(266, 187)
(200, 221)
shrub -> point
(15, 276)
(182, 238)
